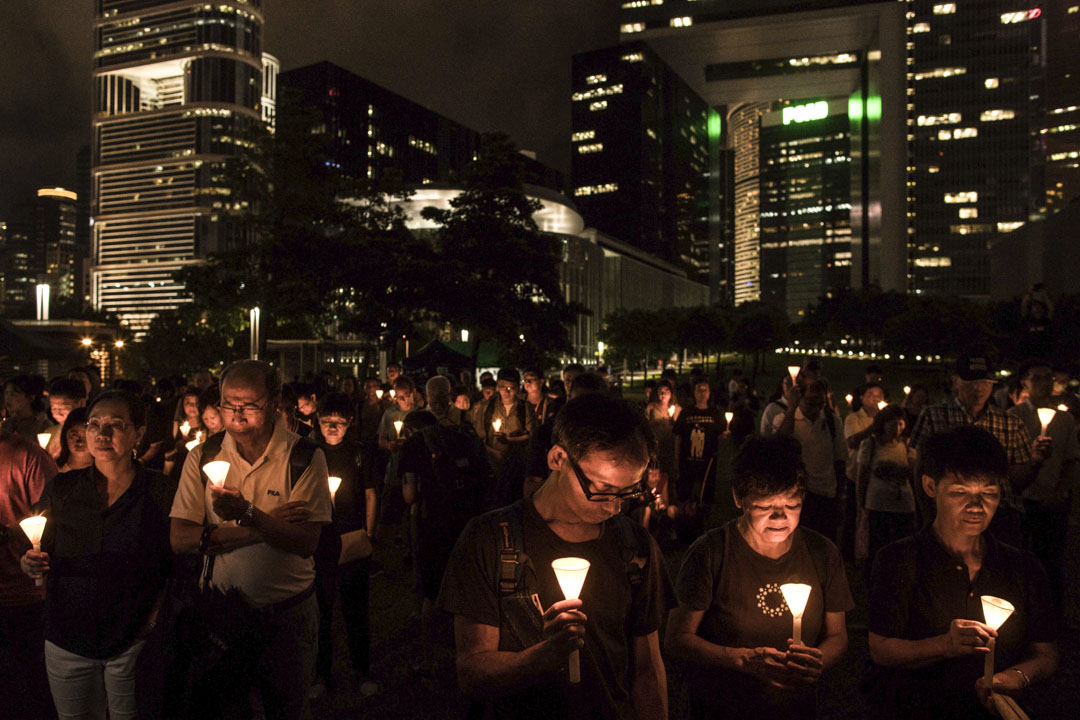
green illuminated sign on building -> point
(805, 113)
(714, 125)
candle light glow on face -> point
(43, 439)
(217, 471)
(995, 610)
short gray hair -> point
(257, 370)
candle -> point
(217, 472)
(393, 393)
(496, 423)
(571, 572)
(882, 405)
(728, 417)
(1046, 415)
(199, 436)
(1063, 408)
(793, 371)
(191, 444)
(671, 411)
(34, 527)
(379, 393)
(907, 389)
(335, 483)
(849, 397)
(43, 439)
(185, 428)
(398, 424)
(796, 595)
(995, 612)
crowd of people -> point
(203, 539)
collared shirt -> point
(918, 587)
(107, 565)
(1064, 451)
(1008, 429)
(263, 573)
(822, 447)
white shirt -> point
(820, 450)
(264, 574)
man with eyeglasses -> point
(261, 527)
(514, 631)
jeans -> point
(82, 687)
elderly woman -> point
(927, 630)
(105, 557)
(732, 625)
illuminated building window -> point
(1019, 16)
(969, 213)
(640, 3)
(967, 196)
(370, 110)
(990, 83)
(942, 72)
(1009, 226)
(922, 27)
(970, 229)
(596, 189)
(597, 92)
(933, 169)
(841, 58)
(595, 79)
(943, 119)
(961, 133)
(945, 9)
(682, 21)
(1065, 156)
(650, 132)
(633, 57)
(992, 115)
(632, 28)
(590, 148)
(598, 105)
(1074, 9)
(933, 262)
(583, 135)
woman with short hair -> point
(732, 625)
(105, 557)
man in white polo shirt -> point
(265, 528)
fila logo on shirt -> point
(275, 493)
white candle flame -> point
(43, 439)
(496, 423)
(217, 471)
(1046, 415)
(185, 428)
(393, 393)
(882, 405)
(849, 397)
(793, 371)
(995, 610)
(1063, 408)
(796, 595)
(335, 483)
(379, 394)
(907, 389)
(398, 424)
(671, 411)
(728, 416)
(192, 444)
(34, 527)
(570, 572)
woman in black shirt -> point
(105, 556)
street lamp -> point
(255, 317)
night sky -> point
(488, 64)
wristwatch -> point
(247, 518)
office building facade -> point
(179, 87)
(640, 159)
(38, 247)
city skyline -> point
(436, 56)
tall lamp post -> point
(255, 315)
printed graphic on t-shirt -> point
(697, 443)
(771, 600)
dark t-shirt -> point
(918, 588)
(739, 590)
(616, 615)
(107, 565)
(345, 461)
(699, 433)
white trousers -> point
(83, 687)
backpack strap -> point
(300, 458)
(511, 558)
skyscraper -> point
(641, 157)
(178, 88)
(37, 246)
(55, 222)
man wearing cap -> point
(973, 383)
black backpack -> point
(455, 490)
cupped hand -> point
(804, 663)
(229, 504)
(768, 664)
(34, 563)
(967, 637)
(295, 512)
(564, 627)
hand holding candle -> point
(571, 572)
(796, 595)
(34, 527)
(995, 611)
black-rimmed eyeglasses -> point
(634, 491)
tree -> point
(759, 327)
(705, 328)
(628, 337)
(497, 273)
